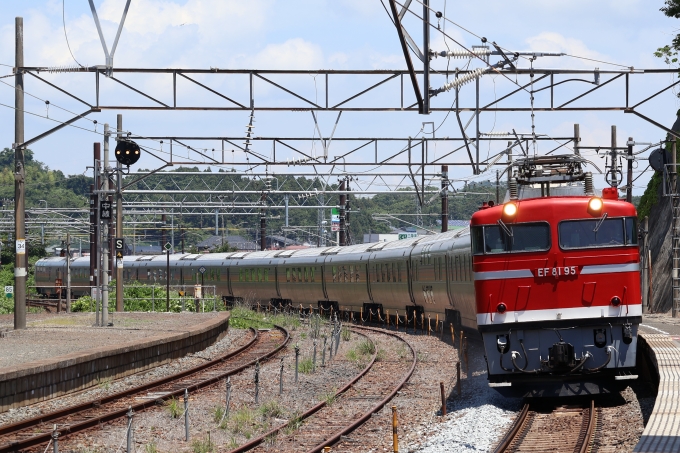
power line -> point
(63, 21)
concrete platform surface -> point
(662, 432)
(53, 335)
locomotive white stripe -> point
(553, 314)
(610, 268)
(502, 275)
(586, 270)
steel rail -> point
(514, 429)
(367, 415)
(112, 415)
(257, 441)
(519, 431)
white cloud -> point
(294, 53)
(555, 42)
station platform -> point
(62, 353)
(661, 332)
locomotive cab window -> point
(521, 237)
(602, 232)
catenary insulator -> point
(512, 187)
(463, 53)
(460, 81)
(589, 184)
(59, 69)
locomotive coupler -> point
(561, 357)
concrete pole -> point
(68, 273)
(217, 222)
(445, 198)
(105, 235)
(629, 180)
(263, 223)
(19, 180)
(645, 267)
(577, 139)
(674, 191)
(343, 201)
(119, 220)
(613, 154)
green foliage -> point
(294, 424)
(218, 413)
(650, 197)
(202, 446)
(225, 248)
(243, 317)
(346, 334)
(151, 448)
(366, 347)
(306, 365)
(174, 407)
(271, 409)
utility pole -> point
(613, 153)
(426, 56)
(119, 219)
(19, 180)
(68, 273)
(445, 198)
(629, 180)
(105, 233)
(343, 200)
(263, 222)
(348, 237)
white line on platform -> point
(654, 328)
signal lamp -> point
(127, 152)
(509, 209)
(595, 204)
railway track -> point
(36, 431)
(559, 429)
(350, 407)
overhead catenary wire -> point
(63, 21)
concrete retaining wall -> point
(41, 380)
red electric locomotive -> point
(557, 284)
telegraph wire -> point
(63, 21)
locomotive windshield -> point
(576, 234)
(523, 237)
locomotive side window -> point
(525, 237)
(576, 234)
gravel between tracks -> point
(474, 423)
(53, 335)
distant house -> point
(279, 242)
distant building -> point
(238, 242)
(279, 242)
(456, 224)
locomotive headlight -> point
(595, 204)
(509, 209)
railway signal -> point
(127, 152)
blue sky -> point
(350, 34)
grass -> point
(174, 407)
(243, 317)
(329, 396)
(380, 356)
(271, 409)
(218, 413)
(243, 420)
(366, 347)
(105, 383)
(202, 446)
(151, 448)
(293, 425)
(306, 365)
(346, 334)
